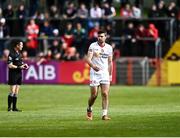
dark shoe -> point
(105, 117)
(9, 109)
(16, 110)
(89, 115)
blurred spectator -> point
(153, 12)
(68, 36)
(172, 10)
(70, 12)
(93, 33)
(82, 12)
(71, 54)
(4, 29)
(141, 44)
(96, 14)
(162, 9)
(8, 13)
(86, 2)
(21, 12)
(95, 11)
(136, 12)
(46, 31)
(110, 32)
(108, 11)
(54, 12)
(129, 47)
(21, 15)
(34, 4)
(55, 50)
(25, 55)
(32, 31)
(152, 32)
(141, 31)
(5, 54)
(58, 47)
(4, 33)
(126, 11)
(59, 4)
(42, 58)
(116, 51)
(79, 39)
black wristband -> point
(18, 67)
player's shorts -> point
(15, 78)
(99, 78)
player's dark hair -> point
(15, 42)
(102, 32)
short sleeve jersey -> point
(16, 59)
(100, 55)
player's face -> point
(101, 38)
(20, 46)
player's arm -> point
(12, 66)
(89, 60)
(110, 67)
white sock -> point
(104, 112)
(89, 108)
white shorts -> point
(97, 78)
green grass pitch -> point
(59, 110)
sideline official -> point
(15, 65)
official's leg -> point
(15, 99)
(10, 96)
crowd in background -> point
(65, 30)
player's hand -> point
(96, 68)
(25, 66)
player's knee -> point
(105, 94)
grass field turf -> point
(59, 110)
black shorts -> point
(15, 78)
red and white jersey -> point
(100, 55)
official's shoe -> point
(9, 109)
(105, 117)
(16, 110)
(89, 115)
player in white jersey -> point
(99, 58)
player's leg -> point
(105, 100)
(10, 96)
(93, 96)
(91, 100)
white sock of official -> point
(104, 112)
